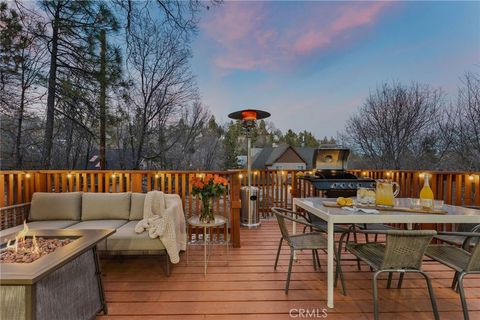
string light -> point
(113, 175)
(240, 176)
(364, 173)
(422, 175)
(157, 175)
(28, 175)
(69, 175)
(471, 177)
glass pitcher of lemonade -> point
(386, 191)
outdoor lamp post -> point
(249, 119)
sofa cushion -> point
(99, 224)
(136, 206)
(48, 224)
(104, 206)
(126, 239)
(55, 206)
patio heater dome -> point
(249, 119)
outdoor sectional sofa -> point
(85, 210)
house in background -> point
(116, 159)
(283, 157)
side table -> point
(219, 221)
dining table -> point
(338, 215)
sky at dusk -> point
(312, 64)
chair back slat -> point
(474, 262)
(284, 214)
(404, 249)
(466, 227)
(283, 226)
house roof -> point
(276, 153)
(269, 155)
(259, 160)
(116, 159)
(306, 153)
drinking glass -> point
(415, 203)
(438, 205)
(366, 196)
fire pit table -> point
(63, 284)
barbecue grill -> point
(331, 177)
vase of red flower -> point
(207, 187)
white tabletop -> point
(454, 214)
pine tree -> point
(69, 24)
(232, 150)
(109, 71)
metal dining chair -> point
(460, 240)
(402, 252)
(343, 230)
(459, 259)
(304, 241)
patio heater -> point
(249, 119)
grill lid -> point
(331, 158)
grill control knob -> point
(333, 186)
(342, 185)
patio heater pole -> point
(249, 119)
(249, 175)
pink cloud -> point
(253, 36)
(311, 41)
(353, 17)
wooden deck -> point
(249, 288)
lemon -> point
(349, 202)
(341, 201)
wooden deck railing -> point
(17, 188)
(276, 188)
(456, 188)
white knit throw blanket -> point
(163, 223)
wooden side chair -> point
(304, 241)
(459, 259)
(402, 252)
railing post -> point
(2, 191)
(235, 205)
(40, 182)
(136, 182)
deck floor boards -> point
(249, 288)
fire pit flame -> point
(20, 238)
(23, 250)
(35, 249)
